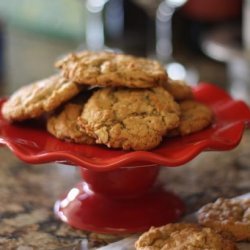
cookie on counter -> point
(33, 100)
(231, 217)
(111, 69)
(179, 89)
(195, 117)
(182, 236)
(130, 118)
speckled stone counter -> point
(28, 193)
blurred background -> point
(196, 40)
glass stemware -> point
(94, 34)
(96, 19)
(164, 46)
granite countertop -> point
(28, 193)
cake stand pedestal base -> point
(119, 201)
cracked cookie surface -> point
(231, 217)
(129, 118)
(33, 100)
(64, 125)
(182, 236)
(111, 69)
(195, 116)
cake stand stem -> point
(124, 200)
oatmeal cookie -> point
(64, 125)
(178, 89)
(181, 236)
(195, 116)
(130, 118)
(231, 217)
(111, 69)
(33, 100)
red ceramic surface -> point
(212, 10)
(119, 201)
(34, 145)
(118, 194)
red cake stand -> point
(118, 193)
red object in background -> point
(212, 10)
(118, 193)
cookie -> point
(179, 89)
(195, 116)
(181, 236)
(231, 217)
(64, 125)
(130, 118)
(111, 69)
(31, 101)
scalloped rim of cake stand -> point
(35, 145)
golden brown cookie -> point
(179, 89)
(130, 118)
(64, 125)
(231, 217)
(111, 69)
(195, 116)
(181, 236)
(33, 100)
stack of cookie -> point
(113, 99)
